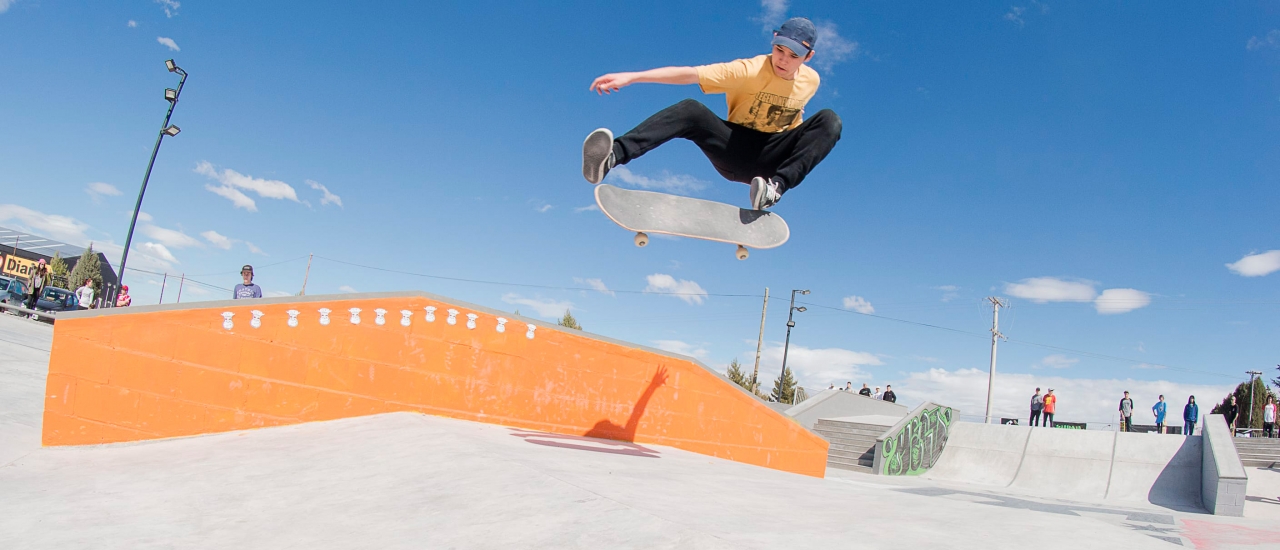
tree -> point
(1247, 418)
(1276, 381)
(87, 267)
(58, 275)
(736, 375)
(568, 321)
(784, 387)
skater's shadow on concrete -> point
(605, 436)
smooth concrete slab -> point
(1262, 498)
(405, 480)
(833, 404)
(983, 454)
(24, 360)
(1073, 464)
(875, 419)
(1157, 468)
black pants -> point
(1035, 418)
(737, 152)
(1267, 427)
(1048, 420)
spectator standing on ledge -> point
(865, 391)
(1231, 411)
(84, 294)
(1050, 406)
(1269, 417)
(248, 289)
(123, 300)
(1126, 413)
(848, 386)
(1037, 406)
(889, 395)
(879, 394)
(38, 279)
(1158, 409)
(1190, 415)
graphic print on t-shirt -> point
(772, 112)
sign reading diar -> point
(17, 267)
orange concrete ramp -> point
(165, 371)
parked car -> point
(12, 291)
(54, 300)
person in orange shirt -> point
(1050, 406)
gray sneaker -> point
(597, 155)
(764, 193)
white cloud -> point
(1079, 399)
(4, 5)
(328, 198)
(169, 237)
(1015, 15)
(1121, 300)
(232, 182)
(689, 291)
(98, 189)
(544, 307)
(1257, 265)
(679, 184)
(217, 239)
(949, 292)
(772, 14)
(276, 294)
(596, 284)
(132, 24)
(1051, 289)
(160, 251)
(347, 288)
(1056, 361)
(682, 348)
(168, 43)
(813, 367)
(53, 226)
(591, 208)
(254, 249)
(543, 209)
(144, 217)
(238, 199)
(1148, 366)
(1270, 41)
(831, 48)
(858, 304)
(170, 7)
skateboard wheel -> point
(642, 239)
(742, 252)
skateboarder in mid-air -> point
(766, 141)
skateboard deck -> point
(650, 212)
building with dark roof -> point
(20, 251)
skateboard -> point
(649, 212)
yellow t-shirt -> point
(758, 98)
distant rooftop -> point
(35, 243)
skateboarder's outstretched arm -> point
(613, 82)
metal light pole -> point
(787, 345)
(996, 304)
(1251, 373)
(171, 95)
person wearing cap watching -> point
(766, 140)
(1050, 407)
(248, 289)
(123, 299)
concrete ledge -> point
(1223, 478)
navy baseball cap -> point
(797, 34)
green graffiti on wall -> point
(916, 447)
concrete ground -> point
(405, 480)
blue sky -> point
(1050, 153)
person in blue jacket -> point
(1158, 409)
(1190, 414)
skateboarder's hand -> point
(611, 82)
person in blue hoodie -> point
(1190, 415)
(1158, 409)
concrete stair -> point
(853, 444)
(1257, 452)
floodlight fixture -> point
(171, 94)
(801, 309)
(172, 130)
(169, 64)
(804, 291)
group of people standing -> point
(886, 395)
(40, 278)
(1043, 408)
(1190, 414)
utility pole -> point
(307, 276)
(760, 340)
(1251, 373)
(996, 304)
(180, 283)
(163, 281)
